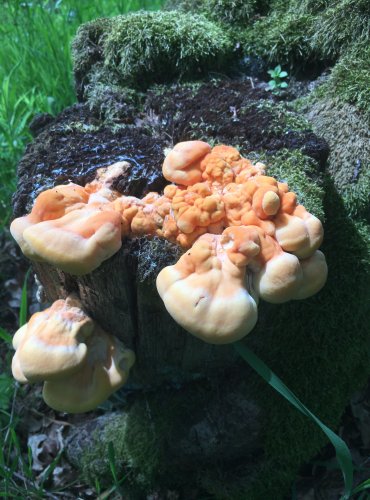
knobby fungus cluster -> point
(244, 236)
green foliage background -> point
(36, 68)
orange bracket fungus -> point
(80, 364)
(244, 236)
(205, 292)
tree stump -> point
(191, 409)
(132, 311)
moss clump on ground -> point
(142, 48)
(143, 443)
(295, 33)
(89, 451)
(112, 103)
(281, 36)
(303, 33)
(151, 47)
(133, 436)
(283, 118)
(302, 6)
(87, 50)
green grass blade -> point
(342, 452)
(48, 472)
(5, 336)
(24, 305)
(361, 487)
(112, 461)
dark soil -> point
(73, 147)
(230, 112)
(78, 141)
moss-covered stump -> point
(348, 135)
(195, 408)
(339, 111)
(168, 439)
(303, 35)
(234, 12)
(120, 294)
(131, 309)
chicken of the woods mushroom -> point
(244, 236)
(80, 364)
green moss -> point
(80, 127)
(308, 6)
(87, 50)
(111, 102)
(283, 117)
(300, 173)
(93, 460)
(235, 12)
(356, 196)
(281, 37)
(87, 42)
(153, 47)
(342, 24)
(299, 33)
(349, 78)
(142, 48)
(137, 447)
(347, 133)
(184, 5)
(319, 347)
(143, 443)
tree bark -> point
(132, 311)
